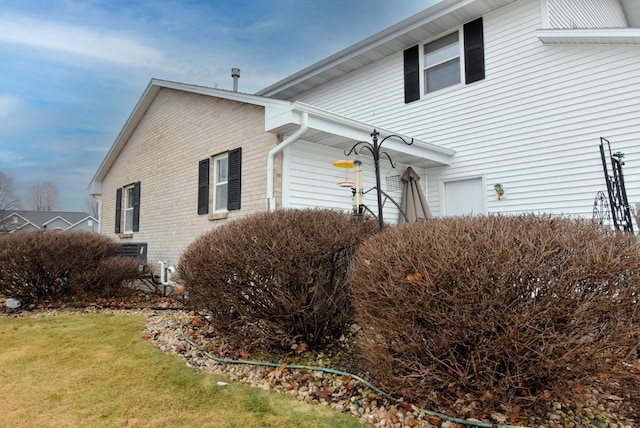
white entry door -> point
(464, 197)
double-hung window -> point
(453, 59)
(220, 182)
(442, 63)
(128, 209)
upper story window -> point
(220, 182)
(442, 63)
(442, 60)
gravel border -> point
(590, 407)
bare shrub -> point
(50, 266)
(494, 309)
(276, 278)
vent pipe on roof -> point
(235, 73)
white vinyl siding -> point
(585, 14)
(532, 125)
(310, 180)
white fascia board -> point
(15, 214)
(598, 36)
(25, 224)
(275, 117)
(89, 217)
(58, 217)
(222, 93)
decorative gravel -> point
(589, 407)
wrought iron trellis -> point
(618, 203)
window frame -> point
(215, 184)
(460, 60)
(126, 191)
(470, 59)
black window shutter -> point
(473, 51)
(203, 186)
(118, 209)
(136, 207)
(235, 175)
(411, 74)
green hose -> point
(341, 373)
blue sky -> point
(71, 71)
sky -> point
(71, 71)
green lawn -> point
(95, 370)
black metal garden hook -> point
(374, 148)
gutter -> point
(304, 125)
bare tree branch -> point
(44, 196)
(91, 207)
(8, 201)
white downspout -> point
(271, 200)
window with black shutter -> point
(136, 207)
(203, 186)
(441, 62)
(118, 210)
(225, 186)
(474, 51)
(411, 74)
(235, 179)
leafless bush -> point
(276, 278)
(494, 308)
(50, 266)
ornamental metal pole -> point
(374, 148)
(376, 163)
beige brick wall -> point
(178, 130)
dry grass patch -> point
(95, 370)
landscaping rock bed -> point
(608, 404)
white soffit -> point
(441, 17)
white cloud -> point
(8, 104)
(13, 160)
(84, 42)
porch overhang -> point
(332, 130)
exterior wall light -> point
(499, 190)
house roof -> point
(416, 29)
(427, 24)
(154, 86)
(40, 219)
(283, 118)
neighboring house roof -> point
(40, 219)
(427, 24)
(281, 117)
